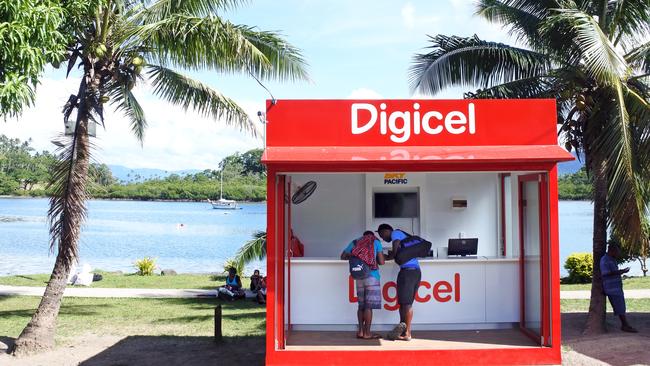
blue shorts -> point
(618, 303)
(369, 293)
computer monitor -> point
(463, 247)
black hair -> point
(384, 227)
(368, 232)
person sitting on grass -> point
(233, 287)
(258, 287)
(613, 284)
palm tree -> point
(126, 42)
(254, 249)
(590, 57)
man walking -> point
(368, 249)
(613, 284)
(408, 281)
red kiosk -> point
(483, 169)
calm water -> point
(119, 232)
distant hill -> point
(571, 167)
(128, 175)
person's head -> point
(232, 272)
(384, 231)
(613, 250)
(368, 232)
(256, 272)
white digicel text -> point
(401, 124)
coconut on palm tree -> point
(124, 43)
(593, 57)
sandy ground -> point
(614, 348)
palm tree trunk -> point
(39, 333)
(596, 317)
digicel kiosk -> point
(441, 169)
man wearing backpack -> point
(408, 281)
(365, 255)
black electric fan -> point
(303, 192)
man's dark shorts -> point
(408, 281)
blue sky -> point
(355, 49)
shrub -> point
(145, 266)
(580, 267)
(231, 263)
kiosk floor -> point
(449, 340)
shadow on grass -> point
(187, 351)
(85, 310)
(615, 347)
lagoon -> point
(119, 232)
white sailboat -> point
(221, 203)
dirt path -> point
(614, 348)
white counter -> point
(459, 293)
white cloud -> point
(174, 140)
(364, 93)
(408, 15)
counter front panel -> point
(453, 294)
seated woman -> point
(258, 286)
(233, 288)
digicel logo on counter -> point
(401, 124)
(441, 291)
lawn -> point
(111, 316)
(628, 284)
(117, 280)
(582, 306)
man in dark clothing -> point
(408, 281)
(613, 284)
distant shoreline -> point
(127, 199)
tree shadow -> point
(615, 347)
(188, 351)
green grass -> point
(632, 306)
(168, 317)
(628, 284)
(115, 280)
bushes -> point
(145, 266)
(580, 267)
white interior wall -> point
(341, 209)
(332, 216)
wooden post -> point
(217, 324)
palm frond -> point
(200, 43)
(161, 9)
(254, 249)
(459, 61)
(628, 20)
(613, 143)
(188, 93)
(286, 60)
(639, 57)
(126, 103)
(600, 58)
(67, 211)
(533, 87)
(521, 18)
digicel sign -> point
(401, 124)
(441, 291)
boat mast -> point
(221, 194)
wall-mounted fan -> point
(303, 192)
